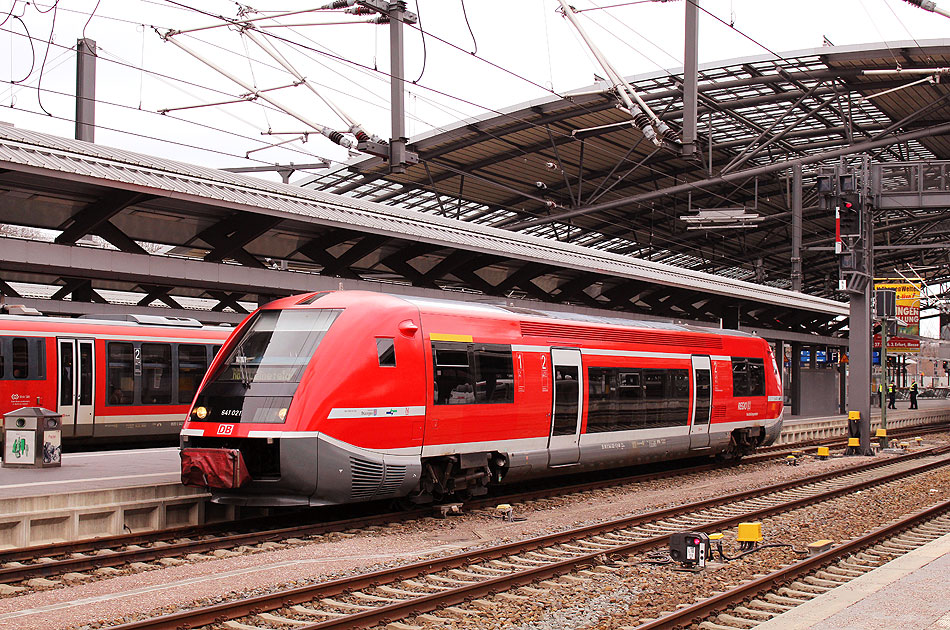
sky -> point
(464, 58)
(468, 58)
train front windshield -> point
(257, 380)
(276, 347)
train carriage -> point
(336, 397)
(114, 379)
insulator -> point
(360, 10)
(338, 4)
(640, 119)
(336, 136)
(362, 136)
(383, 19)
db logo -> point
(226, 429)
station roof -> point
(572, 168)
(558, 200)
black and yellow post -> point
(854, 439)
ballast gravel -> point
(162, 590)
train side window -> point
(21, 358)
(156, 374)
(740, 377)
(386, 352)
(494, 374)
(85, 373)
(3, 358)
(756, 377)
(454, 380)
(37, 359)
(748, 377)
(66, 373)
(120, 380)
(192, 365)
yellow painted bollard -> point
(823, 451)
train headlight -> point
(282, 413)
(201, 413)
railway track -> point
(414, 591)
(762, 599)
(29, 569)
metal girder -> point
(362, 248)
(80, 289)
(93, 216)
(154, 292)
(226, 300)
(6, 289)
(229, 236)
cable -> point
(52, 29)
(424, 51)
(94, 9)
(470, 31)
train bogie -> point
(423, 399)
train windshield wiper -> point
(242, 366)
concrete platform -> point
(909, 593)
(799, 428)
(99, 494)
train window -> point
(276, 346)
(38, 359)
(494, 374)
(386, 352)
(85, 373)
(120, 381)
(66, 373)
(748, 377)
(156, 374)
(3, 356)
(624, 399)
(454, 378)
(565, 400)
(21, 358)
(192, 364)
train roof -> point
(504, 311)
(130, 321)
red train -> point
(338, 397)
(129, 378)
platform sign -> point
(908, 312)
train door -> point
(568, 407)
(76, 383)
(702, 403)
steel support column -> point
(86, 90)
(397, 144)
(797, 227)
(690, 78)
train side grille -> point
(366, 477)
(394, 478)
(718, 412)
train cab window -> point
(120, 379)
(748, 377)
(192, 364)
(386, 352)
(156, 374)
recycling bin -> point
(32, 438)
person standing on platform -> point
(913, 395)
(891, 396)
(880, 396)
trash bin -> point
(32, 438)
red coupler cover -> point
(213, 468)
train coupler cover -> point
(213, 468)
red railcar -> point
(337, 397)
(113, 380)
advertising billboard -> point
(908, 316)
